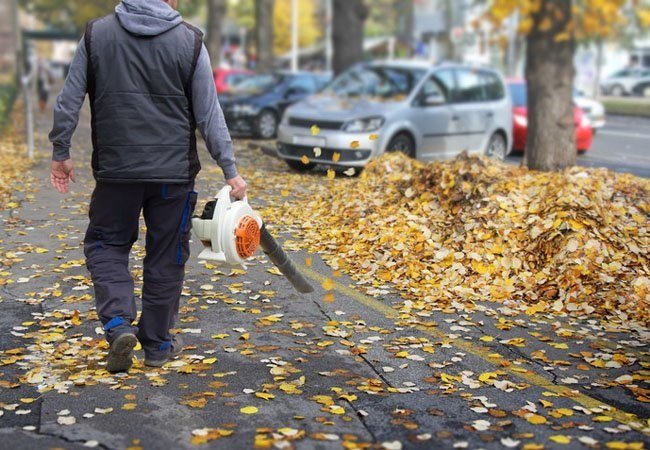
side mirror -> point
(433, 100)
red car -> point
(584, 131)
(224, 79)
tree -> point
(347, 33)
(217, 10)
(264, 19)
(308, 30)
(551, 28)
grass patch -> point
(627, 107)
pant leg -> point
(114, 220)
(167, 212)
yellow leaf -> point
(264, 395)
(328, 284)
(329, 298)
(315, 130)
(355, 144)
(209, 361)
(249, 410)
(304, 159)
(129, 406)
(560, 439)
(41, 250)
(486, 338)
(336, 157)
(373, 137)
(308, 261)
(535, 419)
(331, 174)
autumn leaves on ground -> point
(464, 304)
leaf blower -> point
(231, 233)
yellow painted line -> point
(530, 377)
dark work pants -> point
(114, 223)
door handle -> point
(490, 114)
(455, 118)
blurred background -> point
(303, 44)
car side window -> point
(431, 87)
(303, 83)
(470, 86)
(445, 79)
(494, 89)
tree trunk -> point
(404, 27)
(550, 144)
(216, 12)
(347, 33)
(264, 34)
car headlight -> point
(364, 125)
(522, 121)
(245, 109)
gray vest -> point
(143, 125)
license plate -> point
(310, 141)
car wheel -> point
(617, 90)
(298, 166)
(496, 148)
(402, 143)
(266, 125)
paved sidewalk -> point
(264, 366)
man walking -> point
(149, 80)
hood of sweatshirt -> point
(147, 17)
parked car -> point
(225, 79)
(584, 133)
(426, 111)
(622, 82)
(256, 104)
(591, 108)
(642, 87)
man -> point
(149, 79)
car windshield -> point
(257, 84)
(518, 94)
(377, 82)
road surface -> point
(623, 145)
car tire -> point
(266, 125)
(402, 142)
(497, 148)
(298, 166)
(617, 90)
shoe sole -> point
(120, 356)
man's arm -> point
(68, 104)
(209, 116)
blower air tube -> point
(278, 257)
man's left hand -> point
(61, 172)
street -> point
(622, 145)
(264, 366)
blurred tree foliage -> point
(242, 12)
(72, 15)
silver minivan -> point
(426, 111)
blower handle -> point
(277, 255)
(233, 199)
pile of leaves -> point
(472, 229)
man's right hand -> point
(61, 173)
(239, 187)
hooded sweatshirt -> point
(147, 18)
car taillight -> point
(521, 120)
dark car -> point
(256, 104)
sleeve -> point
(209, 116)
(68, 104)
